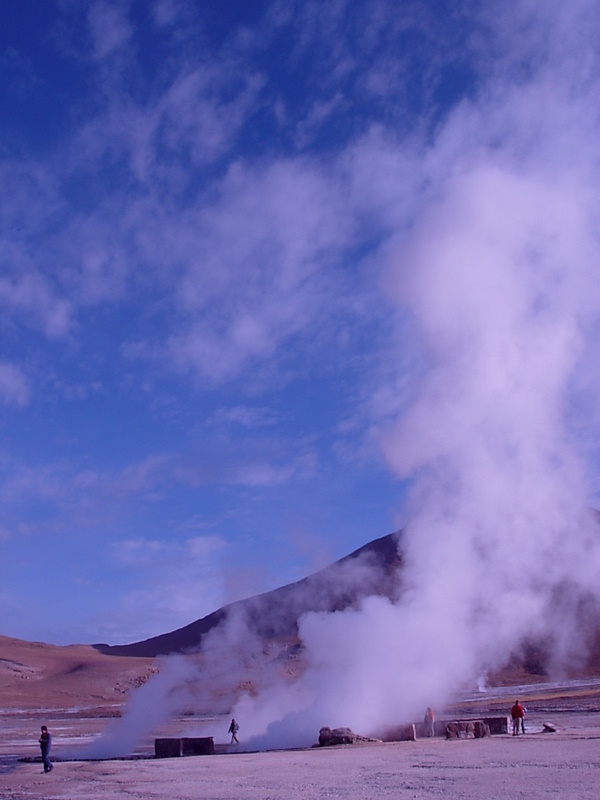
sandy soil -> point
(38, 675)
(564, 764)
(76, 692)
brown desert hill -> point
(34, 675)
(372, 569)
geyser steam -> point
(498, 272)
(499, 276)
(161, 697)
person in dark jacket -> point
(45, 745)
(233, 729)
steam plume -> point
(499, 275)
(164, 695)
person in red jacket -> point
(429, 722)
(517, 713)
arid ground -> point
(76, 692)
(564, 765)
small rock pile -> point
(332, 736)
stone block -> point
(466, 728)
(197, 746)
(497, 725)
(167, 748)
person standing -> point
(233, 729)
(429, 722)
(517, 715)
(45, 745)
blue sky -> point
(211, 217)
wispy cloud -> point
(170, 581)
(109, 27)
(246, 416)
(267, 235)
(14, 387)
(89, 498)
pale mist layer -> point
(500, 548)
(499, 276)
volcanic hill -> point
(372, 569)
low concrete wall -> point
(198, 746)
(167, 748)
(187, 746)
(401, 733)
(497, 725)
(439, 728)
(466, 728)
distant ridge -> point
(372, 569)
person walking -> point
(45, 745)
(429, 722)
(517, 713)
(233, 729)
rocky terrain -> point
(36, 676)
(77, 689)
(538, 765)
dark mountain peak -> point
(372, 569)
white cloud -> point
(261, 266)
(28, 296)
(79, 496)
(197, 120)
(497, 266)
(14, 387)
(243, 415)
(321, 112)
(90, 498)
(498, 274)
(109, 27)
(167, 13)
(170, 207)
(177, 582)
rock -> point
(476, 728)
(329, 737)
(401, 733)
(497, 725)
(458, 730)
(550, 727)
